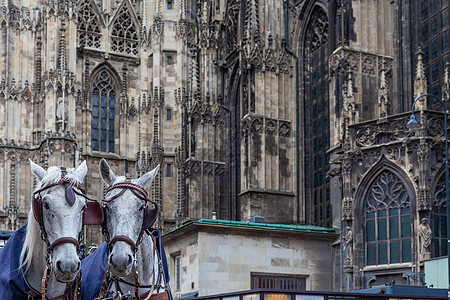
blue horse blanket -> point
(12, 282)
(93, 269)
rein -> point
(38, 214)
(117, 280)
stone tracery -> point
(89, 34)
(124, 34)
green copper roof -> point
(303, 228)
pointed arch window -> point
(89, 34)
(439, 221)
(388, 221)
(124, 35)
(103, 112)
(316, 126)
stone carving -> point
(88, 27)
(387, 192)
(318, 30)
(420, 82)
(383, 95)
(61, 113)
(348, 246)
(184, 29)
(157, 27)
(285, 128)
(204, 26)
(435, 127)
(124, 34)
(425, 238)
(347, 60)
(368, 64)
(446, 84)
(271, 126)
(347, 201)
(440, 193)
(231, 21)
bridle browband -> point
(150, 214)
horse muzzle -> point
(121, 263)
(66, 270)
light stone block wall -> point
(221, 262)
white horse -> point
(133, 257)
(50, 241)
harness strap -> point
(123, 238)
(105, 282)
(158, 296)
(64, 240)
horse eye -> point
(142, 207)
(46, 206)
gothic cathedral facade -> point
(293, 110)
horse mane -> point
(33, 233)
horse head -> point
(57, 206)
(128, 213)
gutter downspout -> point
(297, 117)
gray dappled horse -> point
(133, 260)
(49, 243)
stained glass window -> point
(103, 113)
(316, 118)
(388, 222)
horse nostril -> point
(58, 265)
(130, 260)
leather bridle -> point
(150, 214)
(92, 214)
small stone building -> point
(217, 256)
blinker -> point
(69, 193)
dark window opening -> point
(280, 282)
(169, 170)
(316, 117)
(103, 113)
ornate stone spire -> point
(62, 49)
(349, 110)
(252, 36)
(420, 82)
(383, 95)
(204, 25)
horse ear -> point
(82, 170)
(37, 170)
(106, 173)
(147, 178)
